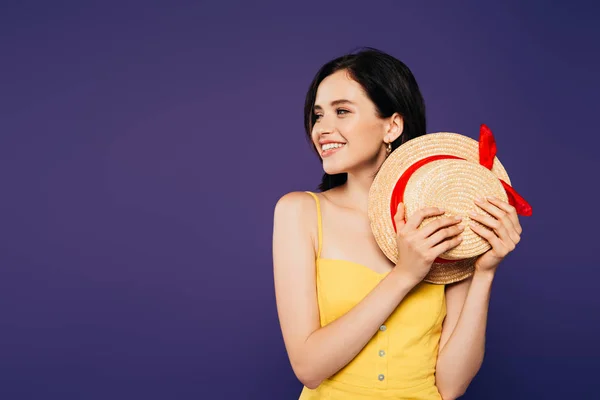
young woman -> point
(355, 326)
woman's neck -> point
(354, 193)
(356, 189)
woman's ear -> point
(395, 127)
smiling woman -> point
(355, 325)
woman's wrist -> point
(404, 278)
(485, 276)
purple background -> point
(143, 146)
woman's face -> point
(347, 132)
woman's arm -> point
(316, 352)
(463, 336)
(462, 343)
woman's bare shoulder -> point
(293, 202)
(295, 216)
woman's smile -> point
(331, 148)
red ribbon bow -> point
(487, 152)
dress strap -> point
(319, 223)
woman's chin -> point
(333, 171)
(333, 168)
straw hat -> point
(445, 170)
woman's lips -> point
(329, 152)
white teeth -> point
(330, 146)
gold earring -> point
(389, 148)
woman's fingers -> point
(446, 245)
(510, 214)
(500, 223)
(417, 218)
(436, 225)
(443, 234)
(399, 217)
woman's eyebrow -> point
(335, 103)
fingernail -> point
(479, 200)
(458, 218)
(491, 198)
(473, 214)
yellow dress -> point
(399, 360)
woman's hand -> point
(503, 235)
(419, 247)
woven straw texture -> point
(451, 184)
(454, 185)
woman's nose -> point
(323, 131)
(324, 127)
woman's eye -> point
(338, 111)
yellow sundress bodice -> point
(399, 360)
